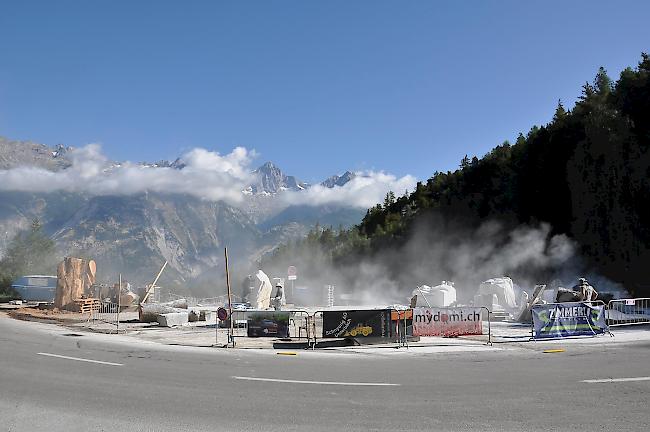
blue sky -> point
(317, 87)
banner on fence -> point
(568, 319)
(360, 323)
(447, 321)
(401, 315)
(268, 324)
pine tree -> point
(29, 252)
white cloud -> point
(206, 175)
(363, 191)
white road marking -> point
(367, 384)
(79, 359)
(611, 380)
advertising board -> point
(401, 315)
(268, 324)
(447, 321)
(568, 319)
(356, 323)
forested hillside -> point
(585, 175)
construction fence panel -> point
(628, 311)
(401, 326)
(261, 323)
(315, 326)
(398, 326)
(239, 323)
(106, 312)
(486, 315)
(299, 323)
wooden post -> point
(119, 303)
(148, 291)
(230, 336)
(153, 284)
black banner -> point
(268, 324)
(356, 323)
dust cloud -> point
(438, 250)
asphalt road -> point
(148, 387)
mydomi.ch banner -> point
(447, 321)
(568, 319)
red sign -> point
(222, 314)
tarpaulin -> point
(447, 321)
(568, 319)
(359, 323)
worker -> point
(587, 292)
(279, 299)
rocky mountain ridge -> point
(135, 234)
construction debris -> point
(127, 297)
(149, 312)
(87, 305)
(525, 314)
(75, 277)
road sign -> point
(292, 273)
(222, 314)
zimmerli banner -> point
(568, 319)
(447, 321)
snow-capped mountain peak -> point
(270, 179)
(338, 180)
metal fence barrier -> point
(108, 313)
(628, 311)
(489, 321)
(400, 328)
(315, 327)
(239, 323)
(299, 325)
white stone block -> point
(173, 319)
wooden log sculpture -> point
(75, 276)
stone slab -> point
(173, 319)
